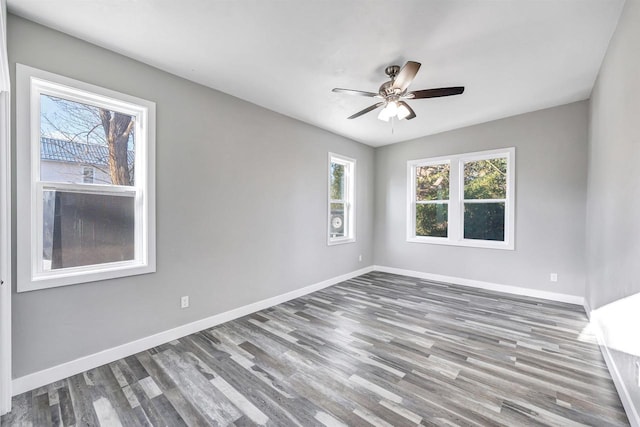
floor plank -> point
(379, 349)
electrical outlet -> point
(553, 277)
(184, 301)
(360, 258)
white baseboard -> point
(65, 370)
(627, 401)
(516, 290)
(587, 308)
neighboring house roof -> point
(58, 150)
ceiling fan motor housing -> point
(387, 89)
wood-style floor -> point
(379, 350)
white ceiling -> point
(513, 56)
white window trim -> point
(350, 202)
(456, 203)
(31, 83)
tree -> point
(432, 185)
(75, 122)
(117, 128)
(485, 180)
(337, 181)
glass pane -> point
(86, 229)
(337, 220)
(432, 182)
(484, 221)
(432, 219)
(74, 136)
(337, 181)
(486, 179)
(88, 175)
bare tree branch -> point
(95, 127)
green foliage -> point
(337, 181)
(432, 219)
(485, 179)
(432, 182)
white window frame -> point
(31, 83)
(455, 232)
(349, 199)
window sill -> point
(333, 242)
(487, 244)
(75, 276)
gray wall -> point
(241, 209)
(613, 249)
(613, 209)
(551, 173)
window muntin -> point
(479, 201)
(341, 214)
(88, 159)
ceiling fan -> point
(394, 92)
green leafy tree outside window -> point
(432, 185)
(485, 180)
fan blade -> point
(356, 92)
(412, 114)
(406, 75)
(435, 93)
(366, 110)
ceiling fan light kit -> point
(394, 92)
(392, 109)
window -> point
(484, 199)
(87, 175)
(432, 199)
(341, 218)
(465, 199)
(85, 179)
